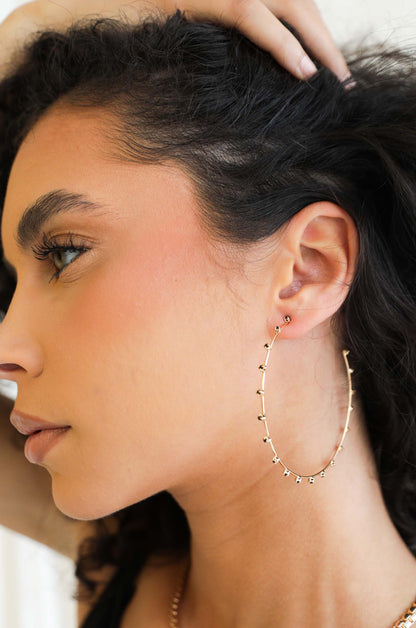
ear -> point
(314, 267)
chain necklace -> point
(176, 599)
(407, 620)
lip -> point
(38, 444)
(27, 424)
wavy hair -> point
(259, 145)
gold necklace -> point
(176, 598)
(407, 620)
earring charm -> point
(262, 417)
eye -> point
(59, 253)
(58, 257)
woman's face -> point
(143, 344)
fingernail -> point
(349, 82)
(307, 67)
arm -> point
(257, 19)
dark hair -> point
(259, 145)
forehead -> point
(64, 146)
(69, 149)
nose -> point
(20, 353)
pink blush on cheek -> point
(158, 263)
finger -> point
(255, 20)
(307, 20)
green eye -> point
(58, 257)
(50, 249)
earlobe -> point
(316, 266)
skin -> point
(149, 346)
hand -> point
(259, 20)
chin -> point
(87, 503)
(75, 509)
(79, 504)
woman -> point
(215, 313)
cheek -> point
(154, 332)
(127, 332)
(141, 327)
(149, 290)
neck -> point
(266, 551)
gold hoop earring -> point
(263, 418)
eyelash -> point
(50, 244)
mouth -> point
(39, 443)
(27, 424)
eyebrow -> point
(36, 215)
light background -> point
(36, 583)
